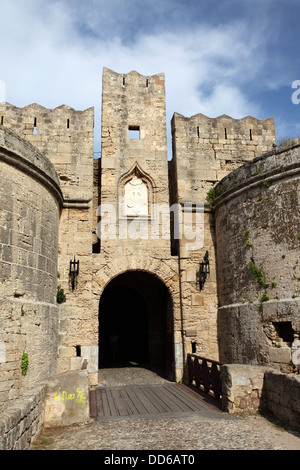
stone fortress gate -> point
(126, 238)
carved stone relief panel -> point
(136, 198)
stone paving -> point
(210, 430)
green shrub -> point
(24, 363)
(256, 272)
(265, 297)
(61, 296)
(211, 196)
(247, 238)
(286, 141)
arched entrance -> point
(136, 323)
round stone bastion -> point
(30, 207)
(258, 243)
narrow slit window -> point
(198, 132)
(34, 126)
(134, 132)
(68, 124)
(2, 120)
(147, 83)
(250, 132)
(123, 82)
(225, 133)
(78, 351)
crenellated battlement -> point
(225, 129)
(64, 135)
(133, 115)
(207, 149)
(37, 119)
(125, 81)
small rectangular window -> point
(250, 132)
(2, 120)
(134, 132)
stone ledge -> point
(251, 389)
(283, 397)
(61, 400)
(272, 166)
(21, 423)
(242, 387)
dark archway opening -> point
(124, 327)
(136, 324)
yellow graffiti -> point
(79, 397)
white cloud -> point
(55, 51)
(287, 130)
(2, 91)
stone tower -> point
(134, 153)
(133, 225)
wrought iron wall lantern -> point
(73, 273)
(204, 270)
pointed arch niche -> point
(136, 194)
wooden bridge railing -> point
(205, 374)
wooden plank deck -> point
(145, 401)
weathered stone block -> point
(242, 387)
(67, 400)
(198, 300)
(280, 355)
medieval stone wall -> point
(258, 239)
(66, 137)
(30, 205)
(215, 147)
(204, 151)
(259, 389)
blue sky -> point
(235, 57)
